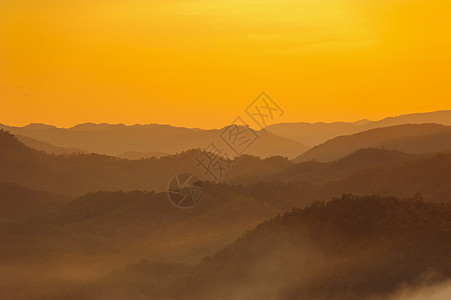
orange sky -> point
(199, 63)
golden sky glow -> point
(199, 63)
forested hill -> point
(347, 248)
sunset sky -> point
(199, 63)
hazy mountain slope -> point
(47, 147)
(315, 172)
(104, 138)
(116, 139)
(359, 160)
(125, 226)
(408, 138)
(430, 176)
(316, 133)
(313, 134)
(268, 144)
(435, 142)
(349, 248)
(81, 173)
(101, 231)
(247, 169)
(110, 213)
(438, 117)
(78, 174)
(19, 203)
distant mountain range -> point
(75, 175)
(313, 134)
(138, 140)
(143, 141)
(47, 147)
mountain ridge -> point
(316, 133)
(404, 137)
(118, 139)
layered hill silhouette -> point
(77, 174)
(108, 223)
(411, 138)
(313, 134)
(347, 248)
(127, 225)
(428, 176)
(143, 141)
(118, 139)
(101, 231)
(111, 213)
(47, 147)
(315, 172)
(81, 173)
(368, 171)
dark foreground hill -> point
(96, 233)
(100, 231)
(124, 226)
(347, 248)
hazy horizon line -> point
(216, 128)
